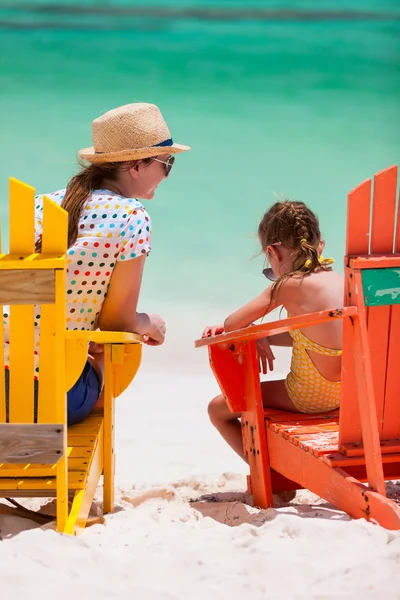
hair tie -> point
(303, 241)
(326, 261)
(308, 263)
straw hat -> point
(130, 132)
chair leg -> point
(254, 433)
(109, 458)
(62, 493)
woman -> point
(109, 234)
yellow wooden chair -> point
(48, 459)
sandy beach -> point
(184, 528)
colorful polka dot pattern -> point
(309, 391)
(111, 229)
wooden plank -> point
(21, 360)
(106, 337)
(366, 394)
(282, 416)
(33, 443)
(108, 456)
(31, 470)
(52, 405)
(256, 332)
(9, 262)
(289, 426)
(349, 419)
(378, 339)
(358, 219)
(317, 443)
(381, 287)
(253, 428)
(391, 412)
(22, 230)
(31, 485)
(383, 211)
(374, 262)
(297, 432)
(387, 447)
(55, 228)
(27, 287)
(337, 459)
(81, 440)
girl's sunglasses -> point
(168, 164)
(269, 274)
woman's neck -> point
(114, 186)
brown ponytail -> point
(80, 187)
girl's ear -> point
(273, 251)
(321, 247)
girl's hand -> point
(212, 330)
(265, 355)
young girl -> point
(304, 282)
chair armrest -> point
(104, 337)
(256, 332)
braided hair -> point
(295, 226)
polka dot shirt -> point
(111, 229)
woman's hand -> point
(212, 330)
(265, 355)
(155, 335)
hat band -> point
(168, 142)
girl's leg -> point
(227, 423)
(274, 395)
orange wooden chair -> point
(334, 454)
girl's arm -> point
(252, 311)
(280, 339)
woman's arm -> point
(119, 312)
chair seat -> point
(85, 442)
(317, 434)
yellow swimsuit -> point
(309, 391)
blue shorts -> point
(81, 398)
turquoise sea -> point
(300, 99)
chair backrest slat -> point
(384, 211)
(52, 322)
(21, 318)
(21, 358)
(358, 219)
(357, 242)
(22, 218)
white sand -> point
(182, 529)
